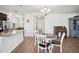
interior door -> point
(40, 24)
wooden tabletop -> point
(50, 35)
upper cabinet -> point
(3, 17)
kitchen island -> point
(9, 40)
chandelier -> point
(45, 11)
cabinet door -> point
(72, 33)
(77, 33)
(3, 47)
(0, 41)
(9, 43)
(20, 37)
(0, 44)
(71, 24)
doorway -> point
(40, 24)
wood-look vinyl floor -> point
(70, 45)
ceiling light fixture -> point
(45, 11)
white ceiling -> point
(36, 8)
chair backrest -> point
(35, 33)
(41, 39)
(62, 37)
(59, 35)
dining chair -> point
(59, 35)
(59, 42)
(35, 36)
(42, 43)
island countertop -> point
(9, 40)
(9, 33)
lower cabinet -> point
(74, 33)
(0, 44)
(11, 42)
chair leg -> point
(38, 49)
(61, 49)
(45, 50)
(50, 49)
(35, 41)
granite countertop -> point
(9, 33)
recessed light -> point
(20, 5)
(16, 10)
(10, 14)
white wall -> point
(28, 27)
(51, 20)
(57, 19)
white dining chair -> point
(35, 36)
(42, 43)
(58, 42)
(59, 35)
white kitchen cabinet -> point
(0, 43)
(0, 40)
(11, 42)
